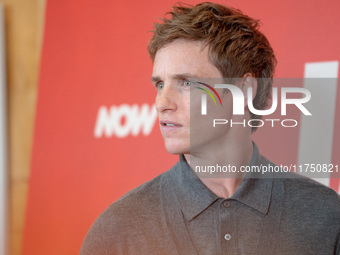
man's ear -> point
(249, 81)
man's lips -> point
(169, 124)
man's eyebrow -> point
(175, 76)
(155, 79)
(184, 76)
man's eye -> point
(187, 83)
(160, 85)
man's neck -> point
(230, 157)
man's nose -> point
(166, 99)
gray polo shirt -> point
(175, 213)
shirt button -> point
(226, 204)
(227, 237)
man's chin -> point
(176, 150)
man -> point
(183, 211)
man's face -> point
(175, 66)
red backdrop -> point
(94, 57)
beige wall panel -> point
(24, 28)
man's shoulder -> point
(299, 184)
(135, 222)
(141, 194)
(146, 198)
(305, 194)
(298, 188)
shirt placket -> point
(228, 231)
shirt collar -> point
(194, 197)
(256, 188)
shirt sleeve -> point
(95, 241)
